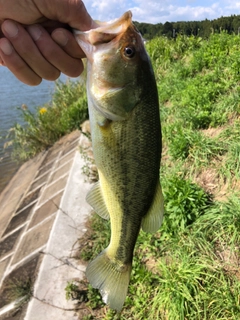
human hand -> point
(37, 44)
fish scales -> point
(130, 171)
(126, 139)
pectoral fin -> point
(95, 199)
(153, 219)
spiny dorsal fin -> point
(95, 199)
(153, 219)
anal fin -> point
(95, 199)
(152, 221)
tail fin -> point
(110, 278)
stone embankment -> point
(43, 213)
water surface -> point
(14, 94)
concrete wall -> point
(42, 215)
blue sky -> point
(155, 11)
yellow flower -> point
(42, 110)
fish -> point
(127, 143)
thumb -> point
(71, 12)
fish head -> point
(117, 61)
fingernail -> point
(6, 47)
(10, 28)
(60, 38)
(35, 32)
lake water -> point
(13, 94)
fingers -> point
(83, 21)
(16, 65)
(32, 54)
(67, 41)
(71, 12)
(65, 58)
(21, 55)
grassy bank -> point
(48, 123)
(190, 268)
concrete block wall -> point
(42, 214)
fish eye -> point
(129, 52)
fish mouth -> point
(104, 33)
(99, 44)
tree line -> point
(202, 28)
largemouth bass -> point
(126, 139)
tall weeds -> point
(46, 124)
(189, 270)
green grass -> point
(20, 290)
(191, 274)
(189, 270)
(47, 124)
